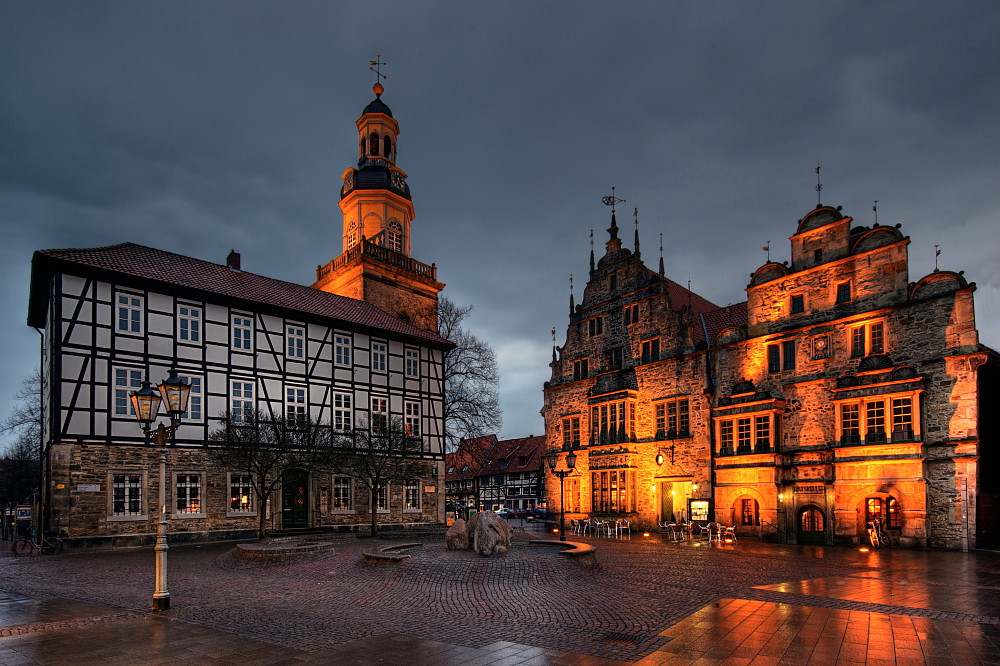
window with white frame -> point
(188, 494)
(126, 495)
(868, 339)
(342, 350)
(343, 419)
(295, 404)
(241, 495)
(352, 235)
(411, 496)
(129, 308)
(395, 233)
(189, 324)
(126, 381)
(379, 354)
(242, 333)
(241, 400)
(295, 337)
(342, 500)
(195, 397)
(412, 363)
(382, 499)
(380, 413)
(411, 418)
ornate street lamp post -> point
(562, 474)
(173, 392)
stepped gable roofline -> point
(819, 217)
(139, 264)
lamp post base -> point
(161, 603)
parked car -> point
(539, 513)
(504, 512)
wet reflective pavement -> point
(651, 602)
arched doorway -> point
(811, 527)
(295, 499)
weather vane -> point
(875, 208)
(612, 200)
(819, 187)
(937, 253)
(376, 66)
(767, 248)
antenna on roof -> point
(819, 187)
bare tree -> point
(377, 454)
(471, 380)
(265, 447)
(21, 451)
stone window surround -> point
(883, 392)
(143, 491)
(415, 487)
(202, 499)
(230, 512)
(772, 409)
(867, 326)
(350, 490)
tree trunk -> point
(374, 510)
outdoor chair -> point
(624, 526)
(702, 529)
(676, 532)
(714, 532)
(727, 532)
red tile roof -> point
(718, 320)
(531, 449)
(472, 452)
(176, 270)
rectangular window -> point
(661, 420)
(195, 397)
(378, 356)
(380, 413)
(241, 496)
(762, 434)
(850, 423)
(902, 418)
(630, 314)
(295, 404)
(126, 494)
(382, 499)
(188, 324)
(749, 512)
(773, 358)
(571, 432)
(342, 349)
(671, 419)
(683, 419)
(875, 421)
(187, 490)
(241, 402)
(596, 326)
(126, 381)
(411, 418)
(342, 500)
(877, 339)
(651, 350)
(343, 419)
(726, 437)
(613, 281)
(296, 339)
(412, 363)
(743, 436)
(798, 303)
(242, 333)
(129, 314)
(613, 359)
(411, 496)
(858, 341)
(788, 351)
(844, 292)
(580, 369)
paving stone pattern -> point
(651, 601)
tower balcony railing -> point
(380, 253)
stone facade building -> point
(838, 392)
(115, 316)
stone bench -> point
(388, 553)
(581, 554)
(276, 550)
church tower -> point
(378, 213)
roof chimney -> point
(233, 260)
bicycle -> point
(51, 545)
(876, 535)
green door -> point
(295, 500)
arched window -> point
(396, 237)
(749, 514)
(812, 520)
(352, 235)
(887, 509)
(387, 147)
(373, 148)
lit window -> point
(412, 363)
(382, 499)
(380, 413)
(342, 500)
(295, 404)
(242, 333)
(241, 402)
(378, 356)
(126, 494)
(187, 489)
(296, 338)
(188, 324)
(743, 436)
(411, 418)
(871, 336)
(762, 433)
(342, 349)
(241, 495)
(342, 414)
(850, 423)
(902, 419)
(875, 421)
(129, 314)
(726, 437)
(411, 496)
(749, 513)
(126, 381)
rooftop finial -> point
(819, 187)
(875, 208)
(937, 253)
(591, 250)
(636, 216)
(572, 305)
(767, 248)
(611, 201)
(661, 254)
(376, 66)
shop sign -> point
(809, 490)
(617, 457)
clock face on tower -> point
(349, 181)
(396, 180)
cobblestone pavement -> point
(651, 601)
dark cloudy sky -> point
(203, 126)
